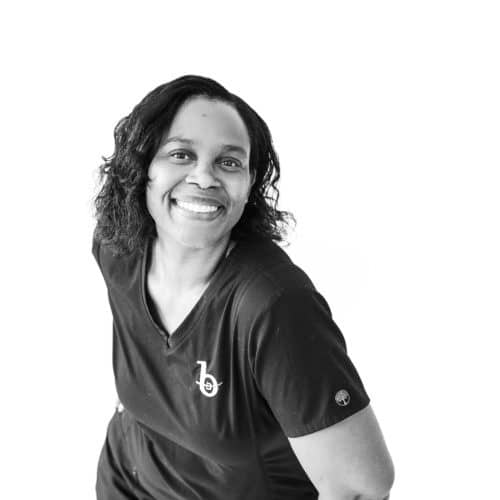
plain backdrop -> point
(385, 116)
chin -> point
(199, 241)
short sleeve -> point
(300, 364)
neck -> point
(186, 268)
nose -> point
(202, 173)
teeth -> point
(194, 207)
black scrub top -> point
(257, 360)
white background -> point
(386, 118)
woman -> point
(233, 379)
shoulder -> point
(265, 269)
(267, 277)
(116, 269)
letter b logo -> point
(208, 384)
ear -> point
(252, 179)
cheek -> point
(155, 174)
(153, 190)
(164, 175)
(159, 181)
(240, 190)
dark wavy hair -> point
(123, 220)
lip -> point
(200, 200)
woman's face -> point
(200, 178)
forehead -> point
(202, 120)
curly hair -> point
(123, 220)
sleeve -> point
(300, 364)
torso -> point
(194, 399)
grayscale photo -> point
(251, 250)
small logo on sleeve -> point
(342, 398)
(208, 384)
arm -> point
(348, 460)
(300, 365)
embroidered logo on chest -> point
(208, 384)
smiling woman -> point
(200, 178)
(123, 220)
(233, 379)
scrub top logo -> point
(342, 398)
(208, 384)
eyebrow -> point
(189, 142)
(177, 138)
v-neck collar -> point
(190, 321)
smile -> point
(197, 208)
(197, 211)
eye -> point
(180, 155)
(230, 163)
